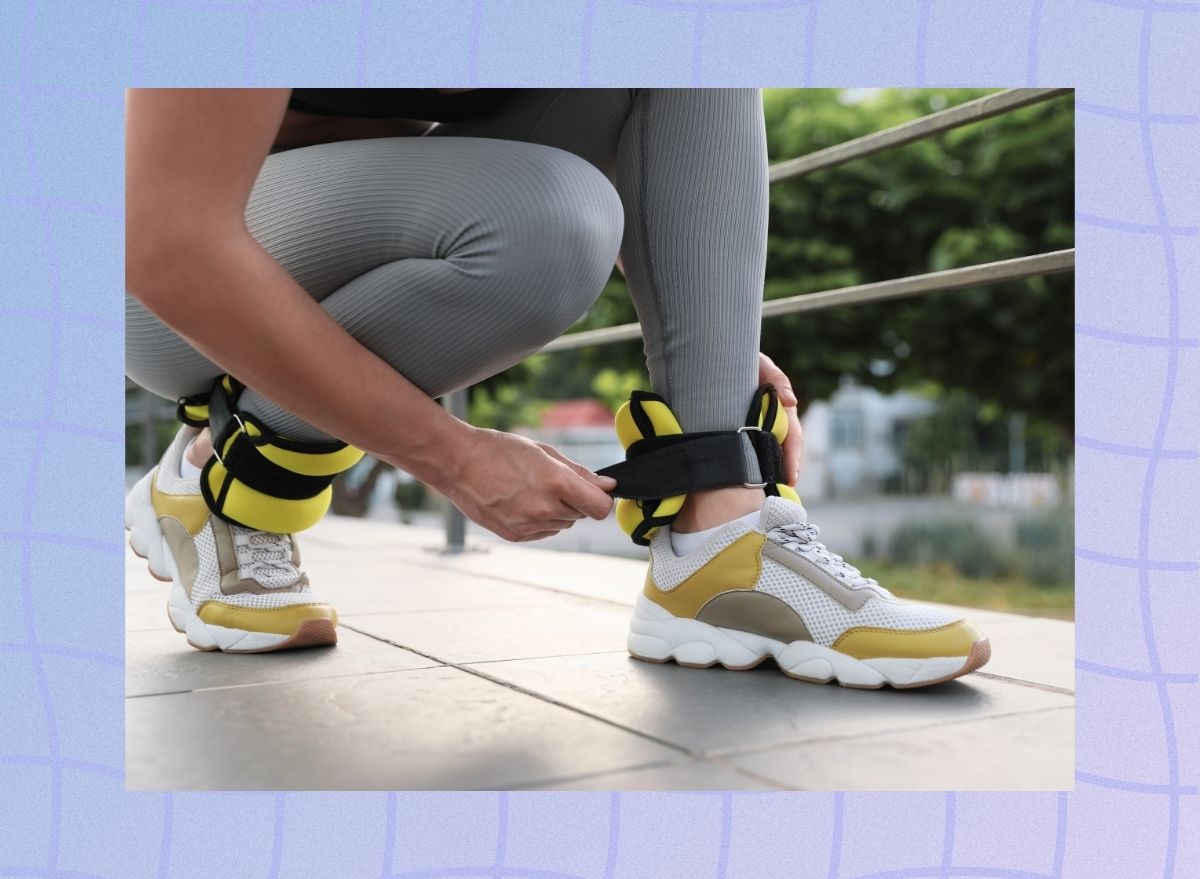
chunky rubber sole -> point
(656, 635)
(147, 541)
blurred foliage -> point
(941, 583)
(164, 430)
(964, 434)
(993, 190)
(411, 496)
(1043, 554)
(1046, 547)
(960, 542)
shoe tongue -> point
(273, 567)
(780, 511)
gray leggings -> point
(456, 255)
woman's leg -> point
(451, 260)
(691, 169)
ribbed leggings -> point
(455, 255)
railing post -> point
(456, 523)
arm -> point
(192, 156)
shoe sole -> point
(655, 635)
(147, 542)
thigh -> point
(331, 213)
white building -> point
(852, 441)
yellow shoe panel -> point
(735, 567)
(273, 620)
(952, 639)
(188, 509)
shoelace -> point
(265, 556)
(802, 537)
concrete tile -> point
(146, 610)
(162, 662)
(1033, 751)
(426, 729)
(605, 578)
(351, 535)
(567, 626)
(137, 577)
(1033, 649)
(383, 584)
(693, 775)
(719, 711)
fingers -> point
(769, 372)
(786, 395)
(587, 498)
(540, 535)
(532, 530)
(607, 483)
(793, 447)
(581, 489)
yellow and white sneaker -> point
(773, 590)
(232, 588)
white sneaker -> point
(773, 590)
(233, 588)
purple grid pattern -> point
(64, 813)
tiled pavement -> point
(507, 669)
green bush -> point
(410, 496)
(960, 543)
(1046, 547)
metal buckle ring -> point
(752, 484)
(242, 425)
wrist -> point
(435, 455)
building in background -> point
(852, 441)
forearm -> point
(236, 305)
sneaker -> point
(773, 590)
(232, 588)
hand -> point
(521, 489)
(793, 445)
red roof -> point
(577, 413)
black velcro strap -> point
(244, 461)
(770, 456)
(665, 466)
(220, 414)
(249, 466)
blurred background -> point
(938, 429)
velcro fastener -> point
(246, 463)
(664, 466)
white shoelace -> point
(265, 556)
(801, 537)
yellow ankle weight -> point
(646, 415)
(257, 478)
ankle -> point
(199, 450)
(716, 506)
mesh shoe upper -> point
(233, 564)
(844, 598)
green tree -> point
(993, 190)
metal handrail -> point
(899, 288)
(918, 129)
(1000, 271)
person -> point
(308, 269)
